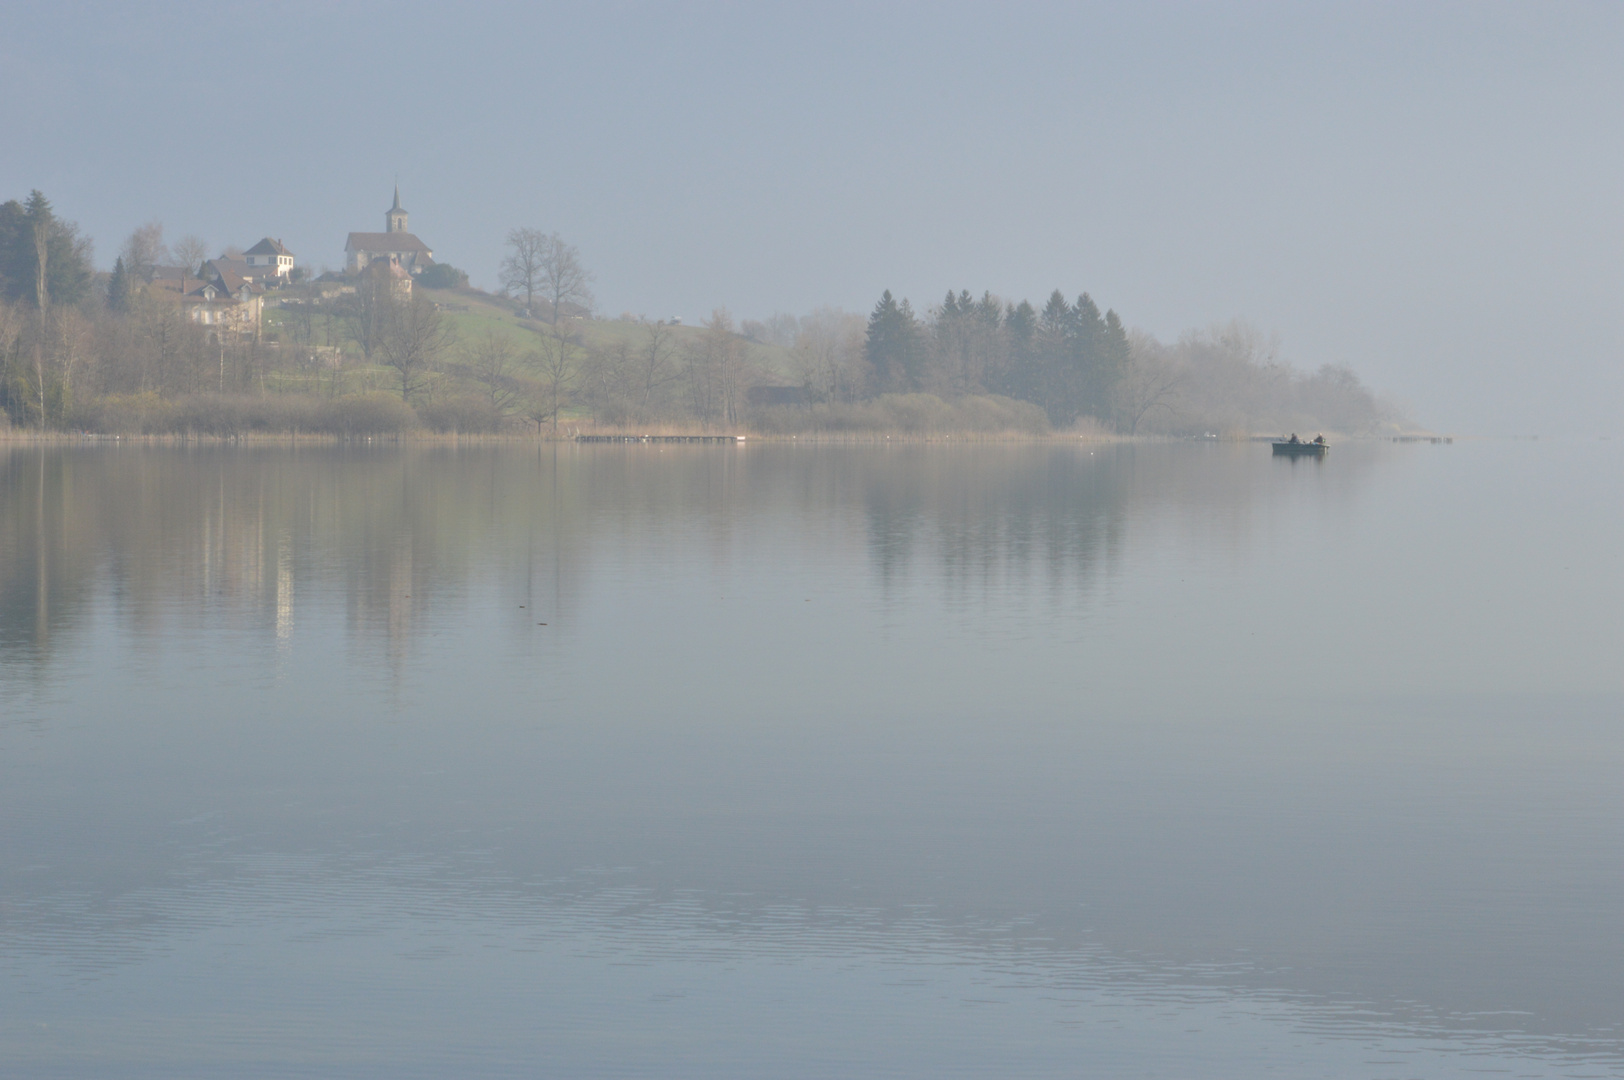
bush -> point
(442, 276)
(368, 414)
(907, 414)
(122, 414)
(227, 415)
(466, 415)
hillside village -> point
(396, 340)
(228, 294)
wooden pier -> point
(660, 438)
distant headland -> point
(171, 341)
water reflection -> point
(380, 746)
(206, 533)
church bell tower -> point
(395, 217)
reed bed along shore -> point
(630, 438)
(646, 438)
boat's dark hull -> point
(1300, 449)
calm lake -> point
(843, 761)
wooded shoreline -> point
(364, 354)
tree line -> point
(115, 352)
(375, 352)
(1069, 360)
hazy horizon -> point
(1425, 194)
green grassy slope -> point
(475, 313)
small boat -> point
(1283, 448)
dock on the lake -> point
(660, 438)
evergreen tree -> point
(1087, 322)
(67, 254)
(1113, 367)
(1019, 378)
(16, 255)
(1055, 321)
(952, 364)
(1083, 361)
(892, 345)
(911, 353)
(1067, 358)
(1053, 343)
(40, 218)
(118, 286)
(990, 311)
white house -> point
(270, 258)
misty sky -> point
(1429, 193)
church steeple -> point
(395, 218)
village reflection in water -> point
(207, 533)
(377, 745)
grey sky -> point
(1430, 193)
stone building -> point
(395, 245)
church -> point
(395, 245)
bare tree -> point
(563, 279)
(12, 322)
(554, 361)
(522, 270)
(15, 339)
(719, 370)
(654, 364)
(1151, 383)
(39, 212)
(778, 329)
(145, 249)
(301, 320)
(491, 362)
(366, 313)
(163, 344)
(190, 251)
(828, 354)
(73, 341)
(630, 380)
(414, 337)
(606, 381)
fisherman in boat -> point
(1294, 440)
(1319, 440)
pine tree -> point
(16, 259)
(1115, 357)
(990, 311)
(909, 352)
(118, 286)
(40, 219)
(1052, 351)
(891, 346)
(1086, 319)
(1021, 376)
(66, 254)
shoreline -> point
(662, 438)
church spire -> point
(395, 217)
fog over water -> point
(922, 760)
(1425, 192)
(899, 759)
